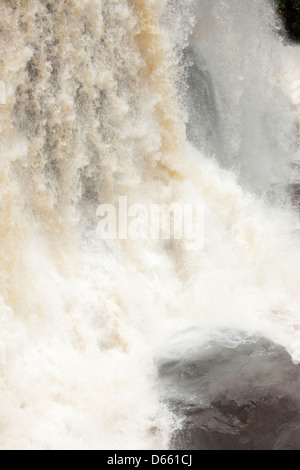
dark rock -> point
(290, 13)
(237, 392)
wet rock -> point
(237, 392)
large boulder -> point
(235, 392)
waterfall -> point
(236, 80)
(162, 102)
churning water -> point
(160, 101)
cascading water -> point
(236, 81)
(93, 107)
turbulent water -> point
(160, 101)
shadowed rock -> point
(235, 395)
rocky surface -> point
(289, 11)
(236, 394)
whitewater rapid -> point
(96, 102)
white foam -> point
(2, 92)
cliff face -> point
(290, 12)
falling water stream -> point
(160, 101)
